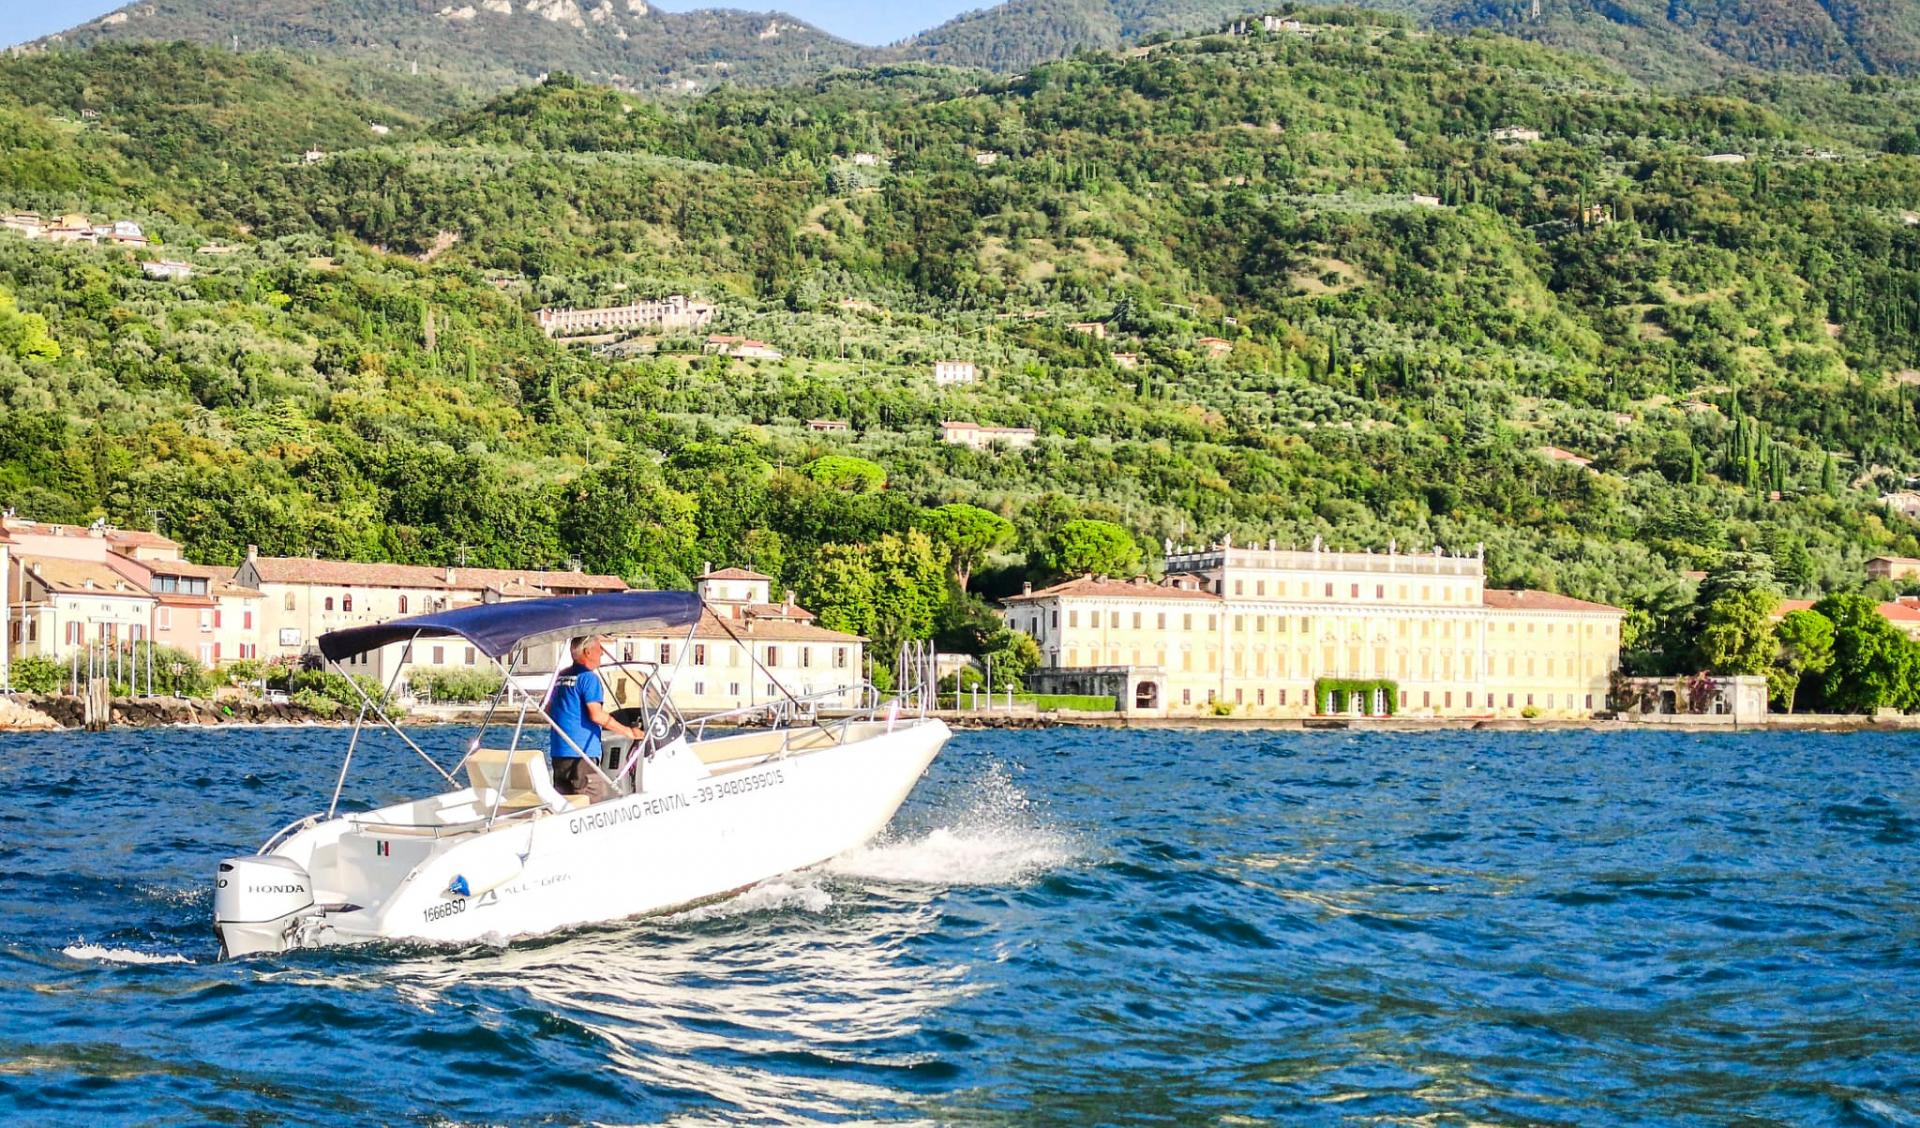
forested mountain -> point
(495, 43)
(1016, 35)
(1352, 281)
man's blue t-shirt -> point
(568, 707)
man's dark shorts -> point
(572, 776)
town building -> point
(60, 604)
(949, 372)
(1126, 360)
(1515, 134)
(675, 312)
(1095, 329)
(1215, 348)
(1267, 631)
(6, 613)
(70, 586)
(961, 433)
(168, 270)
(746, 651)
(201, 610)
(28, 224)
(740, 348)
(1904, 502)
(829, 426)
(1893, 568)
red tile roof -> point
(345, 573)
(1100, 587)
(1496, 600)
(74, 577)
(736, 574)
(1893, 612)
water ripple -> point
(1060, 927)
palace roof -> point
(1497, 600)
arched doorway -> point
(1146, 695)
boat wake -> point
(120, 955)
(793, 893)
(996, 836)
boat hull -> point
(670, 846)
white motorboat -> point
(498, 854)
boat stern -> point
(259, 902)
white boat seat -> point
(487, 766)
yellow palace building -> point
(1264, 631)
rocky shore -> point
(32, 712)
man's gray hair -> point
(581, 643)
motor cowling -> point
(260, 889)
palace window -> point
(403, 605)
(773, 656)
(346, 603)
(1136, 620)
(1186, 622)
(1186, 697)
(439, 655)
(699, 653)
(1259, 587)
(1329, 591)
(1239, 587)
(1239, 697)
(1379, 591)
(1213, 622)
(666, 654)
(329, 603)
(287, 603)
(1355, 593)
(1163, 620)
(1073, 618)
(1113, 620)
(1259, 697)
(470, 656)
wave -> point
(121, 955)
(996, 836)
(777, 895)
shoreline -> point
(35, 713)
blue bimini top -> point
(500, 628)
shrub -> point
(1341, 691)
(315, 702)
(38, 675)
(459, 686)
(1531, 712)
(338, 689)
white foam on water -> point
(996, 838)
(121, 955)
(777, 895)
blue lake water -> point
(1062, 927)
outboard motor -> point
(255, 900)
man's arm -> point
(597, 713)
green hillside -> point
(1415, 308)
(490, 44)
(494, 43)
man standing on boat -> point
(579, 713)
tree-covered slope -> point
(1715, 297)
(494, 43)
